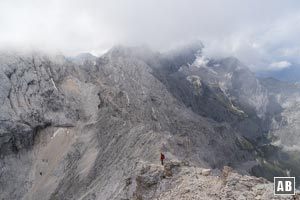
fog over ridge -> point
(260, 34)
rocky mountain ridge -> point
(79, 127)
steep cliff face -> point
(77, 128)
(30, 99)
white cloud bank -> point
(279, 65)
(257, 32)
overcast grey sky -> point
(264, 34)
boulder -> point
(206, 172)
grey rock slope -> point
(78, 128)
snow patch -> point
(56, 132)
(201, 61)
(236, 109)
(53, 84)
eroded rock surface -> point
(93, 128)
(189, 182)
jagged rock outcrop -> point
(189, 182)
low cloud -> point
(279, 65)
(257, 32)
(259, 46)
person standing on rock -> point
(162, 157)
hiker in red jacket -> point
(162, 157)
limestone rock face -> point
(30, 99)
(93, 128)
